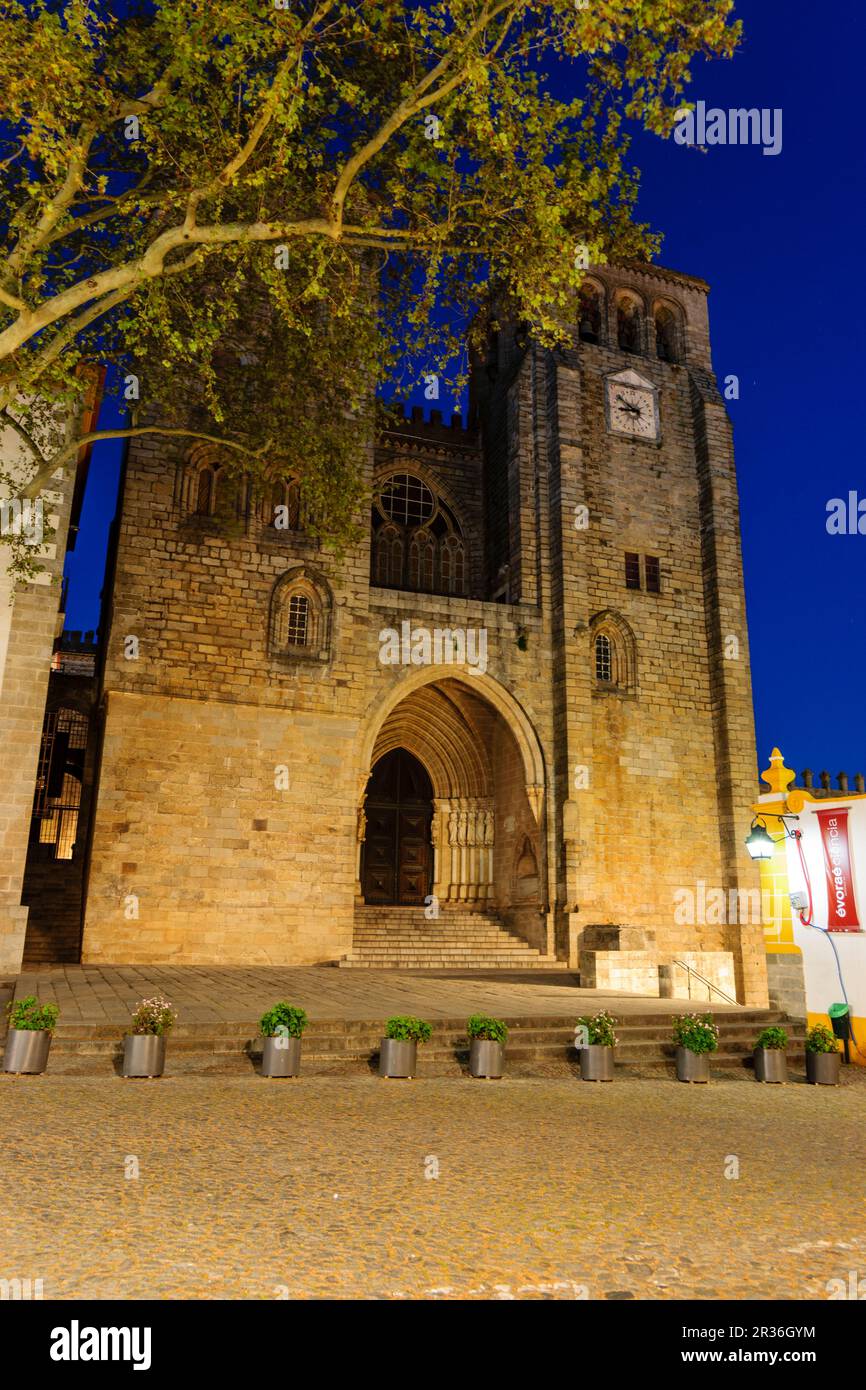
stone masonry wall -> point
(226, 865)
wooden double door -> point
(397, 863)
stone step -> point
(645, 1040)
(651, 1022)
(437, 962)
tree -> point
(256, 209)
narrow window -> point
(603, 658)
(205, 492)
(589, 320)
(421, 552)
(298, 620)
(652, 570)
(632, 570)
(629, 326)
(667, 346)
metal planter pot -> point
(771, 1064)
(693, 1066)
(143, 1054)
(822, 1068)
(596, 1063)
(486, 1058)
(281, 1057)
(397, 1058)
(26, 1050)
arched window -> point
(282, 506)
(417, 540)
(453, 563)
(209, 489)
(629, 324)
(388, 557)
(667, 331)
(603, 658)
(421, 557)
(589, 313)
(300, 617)
(614, 653)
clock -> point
(631, 404)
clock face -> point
(631, 407)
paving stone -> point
(317, 1188)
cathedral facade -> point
(513, 724)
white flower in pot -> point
(144, 1047)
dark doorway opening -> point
(398, 854)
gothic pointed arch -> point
(613, 653)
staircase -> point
(537, 1045)
(393, 938)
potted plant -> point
(823, 1058)
(771, 1064)
(144, 1047)
(595, 1040)
(486, 1046)
(695, 1037)
(281, 1027)
(31, 1026)
(398, 1052)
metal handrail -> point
(690, 969)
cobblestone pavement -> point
(207, 994)
(258, 1189)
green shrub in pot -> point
(398, 1051)
(31, 1026)
(487, 1037)
(823, 1058)
(769, 1053)
(281, 1027)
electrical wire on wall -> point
(805, 916)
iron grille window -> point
(57, 801)
(603, 658)
(298, 620)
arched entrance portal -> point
(483, 773)
(397, 861)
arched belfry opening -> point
(397, 858)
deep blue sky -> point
(777, 238)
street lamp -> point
(759, 843)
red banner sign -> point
(841, 903)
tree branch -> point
(71, 450)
